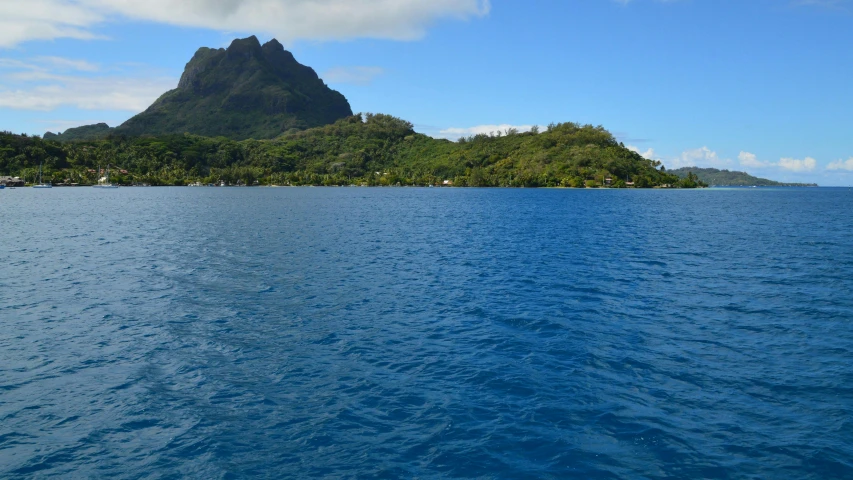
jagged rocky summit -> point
(245, 91)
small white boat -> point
(41, 183)
(104, 182)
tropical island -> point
(252, 115)
(726, 178)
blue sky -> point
(755, 85)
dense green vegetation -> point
(725, 178)
(361, 149)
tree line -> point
(368, 149)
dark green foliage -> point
(363, 149)
(725, 178)
(245, 91)
(691, 181)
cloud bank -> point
(45, 20)
(750, 160)
(352, 75)
(841, 165)
(107, 93)
(705, 157)
(287, 20)
(48, 83)
(796, 165)
(699, 157)
(648, 154)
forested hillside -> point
(362, 149)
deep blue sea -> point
(426, 333)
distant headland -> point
(726, 178)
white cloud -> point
(700, 157)
(12, 64)
(68, 64)
(806, 165)
(287, 20)
(648, 154)
(36, 85)
(44, 65)
(705, 157)
(45, 20)
(750, 160)
(104, 93)
(48, 83)
(455, 133)
(841, 165)
(352, 75)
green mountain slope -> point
(726, 178)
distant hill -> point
(726, 178)
(86, 133)
(245, 91)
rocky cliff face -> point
(244, 91)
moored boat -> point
(104, 182)
(41, 183)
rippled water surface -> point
(429, 333)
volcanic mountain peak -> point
(248, 90)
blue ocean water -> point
(426, 333)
